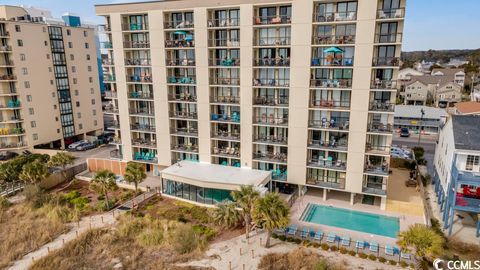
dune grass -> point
(298, 259)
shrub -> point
(4, 203)
(59, 213)
(325, 246)
(72, 195)
(412, 265)
(403, 264)
(392, 262)
(419, 152)
(315, 245)
(282, 237)
(207, 232)
(352, 253)
(343, 250)
(102, 205)
(200, 214)
(35, 196)
(80, 203)
(297, 241)
(274, 236)
(333, 248)
(372, 257)
(362, 255)
(290, 239)
(185, 240)
(382, 259)
(151, 237)
(182, 218)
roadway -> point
(428, 142)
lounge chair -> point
(389, 250)
(305, 233)
(373, 247)
(345, 241)
(331, 238)
(360, 244)
(318, 235)
(292, 230)
(405, 256)
(281, 230)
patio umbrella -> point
(189, 38)
(333, 50)
(180, 32)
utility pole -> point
(422, 111)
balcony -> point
(378, 127)
(136, 44)
(11, 146)
(223, 22)
(269, 20)
(142, 128)
(7, 63)
(333, 40)
(8, 78)
(144, 143)
(113, 126)
(270, 120)
(270, 101)
(271, 62)
(328, 103)
(334, 61)
(142, 111)
(105, 62)
(138, 62)
(184, 131)
(327, 163)
(330, 145)
(274, 140)
(386, 62)
(11, 104)
(181, 80)
(116, 141)
(139, 79)
(184, 97)
(147, 157)
(377, 168)
(4, 34)
(225, 135)
(325, 181)
(224, 81)
(337, 123)
(106, 45)
(180, 43)
(331, 83)
(388, 38)
(111, 94)
(134, 27)
(178, 24)
(271, 82)
(272, 41)
(270, 157)
(374, 189)
(5, 48)
(183, 115)
(12, 131)
(225, 99)
(226, 152)
(185, 62)
(187, 148)
(393, 13)
(224, 42)
(233, 118)
(109, 78)
(377, 149)
(104, 28)
(384, 84)
(111, 110)
(116, 154)
(140, 95)
(225, 62)
(335, 17)
(381, 106)
(12, 119)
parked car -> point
(77, 143)
(8, 155)
(404, 132)
(85, 146)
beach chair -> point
(360, 244)
(331, 238)
(373, 247)
(318, 235)
(345, 241)
(405, 255)
(292, 230)
(281, 230)
(389, 250)
(305, 233)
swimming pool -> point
(351, 220)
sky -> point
(429, 24)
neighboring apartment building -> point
(416, 93)
(447, 94)
(303, 89)
(456, 75)
(457, 171)
(48, 81)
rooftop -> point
(412, 111)
(465, 132)
(469, 107)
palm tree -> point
(226, 214)
(245, 199)
(135, 173)
(62, 159)
(423, 239)
(34, 172)
(103, 182)
(271, 212)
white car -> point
(75, 144)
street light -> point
(422, 111)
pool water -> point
(351, 220)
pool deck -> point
(315, 197)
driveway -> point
(428, 142)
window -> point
(471, 161)
(80, 126)
(79, 115)
(33, 124)
(92, 91)
(70, 44)
(85, 34)
(44, 29)
(89, 68)
(74, 69)
(54, 106)
(56, 118)
(72, 57)
(95, 122)
(86, 45)
(20, 43)
(90, 79)
(94, 112)
(58, 130)
(74, 80)
(48, 56)
(51, 82)
(76, 92)
(93, 101)
(35, 136)
(77, 103)
(53, 94)
(22, 57)
(46, 43)
(29, 98)
(24, 71)
(68, 32)
(17, 28)
(88, 57)
(27, 84)
(31, 111)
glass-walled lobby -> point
(195, 193)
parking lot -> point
(102, 151)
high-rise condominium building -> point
(49, 90)
(304, 89)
